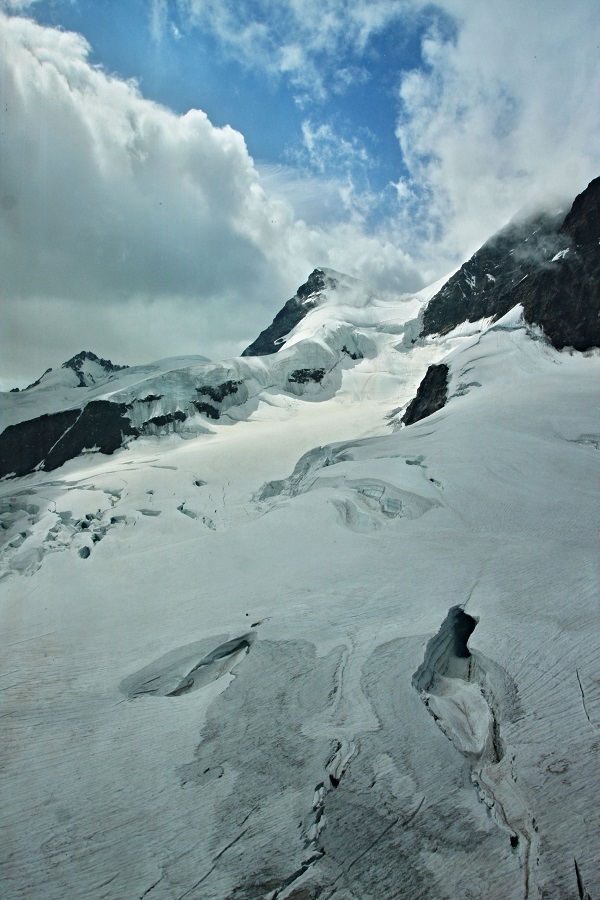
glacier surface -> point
(298, 651)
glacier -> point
(296, 649)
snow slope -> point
(299, 652)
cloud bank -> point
(110, 202)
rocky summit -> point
(291, 314)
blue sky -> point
(183, 64)
(172, 170)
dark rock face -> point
(49, 441)
(77, 361)
(151, 398)
(307, 297)
(432, 395)
(207, 409)
(303, 376)
(551, 269)
(484, 286)
(218, 392)
(582, 222)
(168, 419)
(24, 446)
(565, 299)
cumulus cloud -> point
(132, 197)
(125, 226)
(114, 210)
(108, 198)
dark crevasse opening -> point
(447, 651)
(464, 625)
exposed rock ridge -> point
(76, 362)
(33, 383)
(564, 298)
(49, 441)
(549, 264)
(307, 297)
(432, 395)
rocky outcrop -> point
(303, 376)
(307, 297)
(550, 264)
(582, 223)
(77, 361)
(49, 441)
(207, 409)
(484, 286)
(432, 394)
(218, 392)
(564, 298)
(216, 398)
(168, 419)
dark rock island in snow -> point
(431, 395)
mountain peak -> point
(78, 360)
(88, 367)
(313, 284)
(582, 222)
(307, 297)
(549, 264)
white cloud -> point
(122, 223)
(138, 198)
(106, 197)
(502, 108)
(504, 111)
(159, 15)
(328, 151)
(16, 5)
(303, 40)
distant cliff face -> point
(549, 264)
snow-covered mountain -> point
(321, 620)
